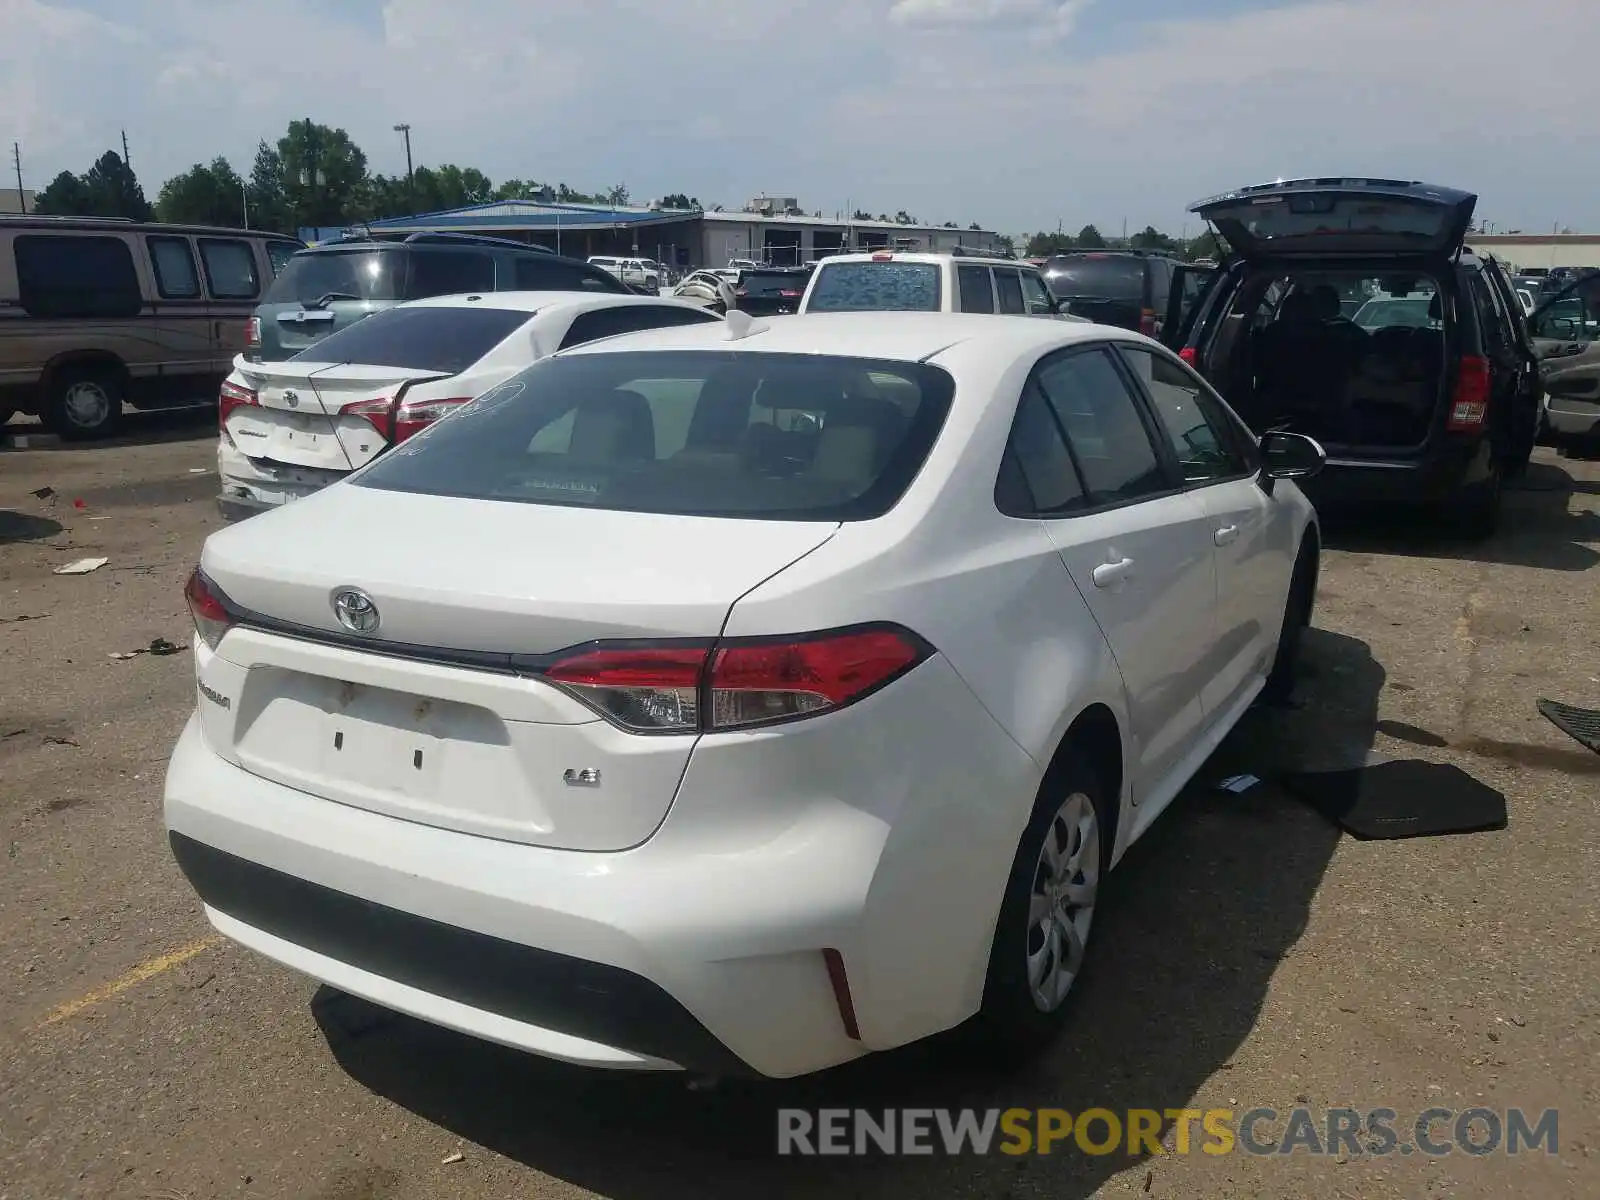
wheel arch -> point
(1096, 735)
(82, 358)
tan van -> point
(95, 312)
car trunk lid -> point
(298, 417)
(1336, 217)
(437, 716)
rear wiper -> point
(323, 300)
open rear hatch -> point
(1340, 217)
(443, 710)
(317, 415)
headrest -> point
(1299, 308)
(613, 425)
(1436, 307)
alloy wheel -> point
(1061, 901)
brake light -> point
(736, 683)
(233, 397)
(883, 258)
(1188, 355)
(412, 418)
(212, 617)
(1469, 407)
(1147, 322)
(378, 413)
(252, 333)
(741, 292)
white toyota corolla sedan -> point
(739, 698)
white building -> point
(1539, 252)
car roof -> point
(532, 302)
(897, 336)
(925, 256)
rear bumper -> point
(1439, 475)
(700, 949)
(251, 486)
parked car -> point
(329, 287)
(740, 698)
(1566, 337)
(290, 428)
(638, 273)
(763, 292)
(1435, 405)
(96, 313)
(886, 280)
(1125, 288)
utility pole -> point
(411, 187)
(16, 159)
(125, 161)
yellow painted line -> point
(148, 969)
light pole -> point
(411, 190)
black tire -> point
(1475, 514)
(1297, 610)
(85, 402)
(1010, 1023)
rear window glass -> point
(448, 340)
(76, 276)
(447, 272)
(876, 287)
(758, 284)
(551, 273)
(1096, 276)
(341, 275)
(707, 433)
(1268, 219)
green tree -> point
(949, 225)
(617, 194)
(679, 200)
(1150, 238)
(114, 189)
(269, 207)
(1043, 245)
(1089, 238)
(1206, 245)
(324, 174)
(861, 214)
(65, 197)
(203, 195)
(904, 218)
(976, 226)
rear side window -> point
(1037, 476)
(977, 289)
(550, 273)
(447, 340)
(230, 269)
(176, 277)
(279, 254)
(876, 287)
(695, 432)
(1009, 288)
(339, 275)
(629, 318)
(76, 277)
(1097, 277)
(1107, 436)
(449, 272)
(1035, 295)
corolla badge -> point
(355, 610)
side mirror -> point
(1286, 455)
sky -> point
(1018, 114)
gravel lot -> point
(1247, 954)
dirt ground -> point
(1246, 955)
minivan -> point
(331, 286)
(1126, 288)
(96, 312)
(1350, 310)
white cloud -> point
(876, 103)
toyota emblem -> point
(355, 610)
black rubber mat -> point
(1405, 798)
(1580, 724)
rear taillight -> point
(789, 295)
(740, 292)
(1188, 355)
(233, 397)
(252, 333)
(1147, 322)
(212, 617)
(883, 258)
(412, 418)
(377, 413)
(1469, 407)
(736, 683)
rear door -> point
(1340, 217)
(1137, 546)
(234, 286)
(1189, 285)
(182, 311)
(1566, 337)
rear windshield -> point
(1098, 276)
(772, 284)
(448, 340)
(339, 275)
(876, 287)
(795, 437)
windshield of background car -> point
(875, 287)
(797, 437)
(1098, 276)
(447, 340)
(359, 274)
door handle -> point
(1225, 535)
(1112, 573)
